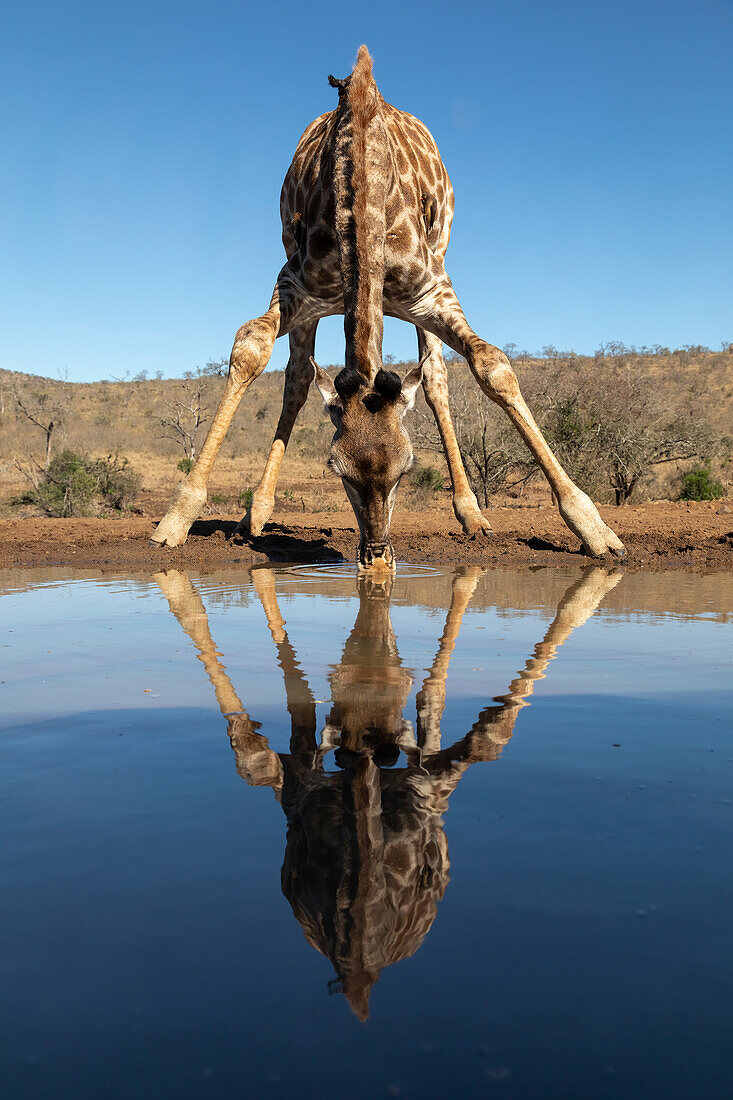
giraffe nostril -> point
(378, 553)
(386, 755)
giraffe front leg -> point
(435, 385)
(298, 377)
(257, 764)
(252, 348)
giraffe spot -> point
(320, 244)
(400, 238)
(417, 138)
(421, 160)
(401, 161)
(392, 208)
(412, 157)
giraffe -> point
(366, 208)
(366, 860)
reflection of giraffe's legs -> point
(250, 354)
(299, 697)
(430, 701)
(256, 762)
(440, 312)
(495, 725)
(298, 377)
(435, 385)
(580, 601)
(188, 607)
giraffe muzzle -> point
(377, 556)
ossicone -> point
(388, 384)
(347, 382)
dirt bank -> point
(659, 535)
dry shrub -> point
(77, 485)
(611, 421)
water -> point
(274, 833)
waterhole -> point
(285, 832)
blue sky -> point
(145, 145)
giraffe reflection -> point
(366, 860)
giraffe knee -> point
(494, 374)
(435, 384)
(435, 376)
(251, 350)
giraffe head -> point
(371, 449)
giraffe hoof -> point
(254, 519)
(611, 551)
(474, 523)
(482, 528)
(470, 516)
(185, 508)
(242, 530)
(170, 532)
(583, 519)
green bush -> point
(68, 486)
(118, 483)
(426, 479)
(245, 497)
(77, 485)
(185, 465)
(697, 484)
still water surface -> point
(281, 833)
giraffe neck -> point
(360, 180)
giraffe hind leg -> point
(298, 377)
(440, 312)
(435, 385)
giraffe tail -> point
(360, 178)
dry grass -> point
(124, 417)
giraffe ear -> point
(410, 385)
(326, 388)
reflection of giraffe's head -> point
(366, 861)
(369, 685)
(371, 450)
(365, 866)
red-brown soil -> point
(657, 535)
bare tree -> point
(611, 424)
(610, 421)
(493, 455)
(44, 411)
(185, 418)
(215, 368)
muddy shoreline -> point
(658, 535)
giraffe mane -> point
(359, 178)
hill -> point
(125, 417)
